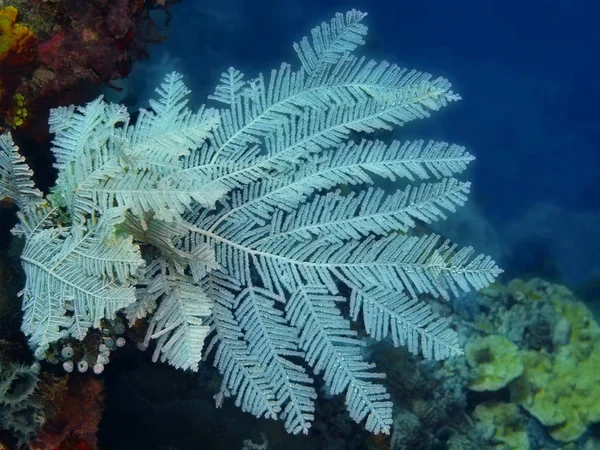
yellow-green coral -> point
(495, 362)
(502, 424)
(13, 36)
(525, 291)
(560, 384)
(19, 111)
(561, 389)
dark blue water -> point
(528, 74)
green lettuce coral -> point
(561, 389)
(502, 424)
(551, 363)
(495, 362)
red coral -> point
(48, 50)
(91, 49)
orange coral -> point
(14, 37)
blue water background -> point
(528, 74)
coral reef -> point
(550, 345)
(502, 424)
(432, 403)
(17, 385)
(495, 361)
(76, 405)
(47, 412)
(561, 389)
(20, 413)
(92, 352)
(16, 40)
(49, 50)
